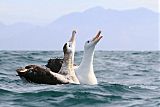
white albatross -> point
(85, 71)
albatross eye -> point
(88, 41)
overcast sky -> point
(42, 12)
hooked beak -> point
(97, 37)
(73, 37)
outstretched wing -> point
(55, 64)
(41, 75)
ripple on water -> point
(126, 79)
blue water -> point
(126, 79)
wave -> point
(125, 79)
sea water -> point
(125, 79)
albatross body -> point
(43, 75)
(85, 71)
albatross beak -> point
(73, 37)
(97, 37)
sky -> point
(43, 12)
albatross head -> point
(69, 47)
(90, 44)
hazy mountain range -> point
(122, 30)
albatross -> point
(56, 63)
(43, 75)
(85, 71)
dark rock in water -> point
(55, 64)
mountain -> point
(122, 30)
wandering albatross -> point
(85, 71)
(43, 75)
(56, 63)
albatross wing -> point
(41, 75)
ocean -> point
(125, 79)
